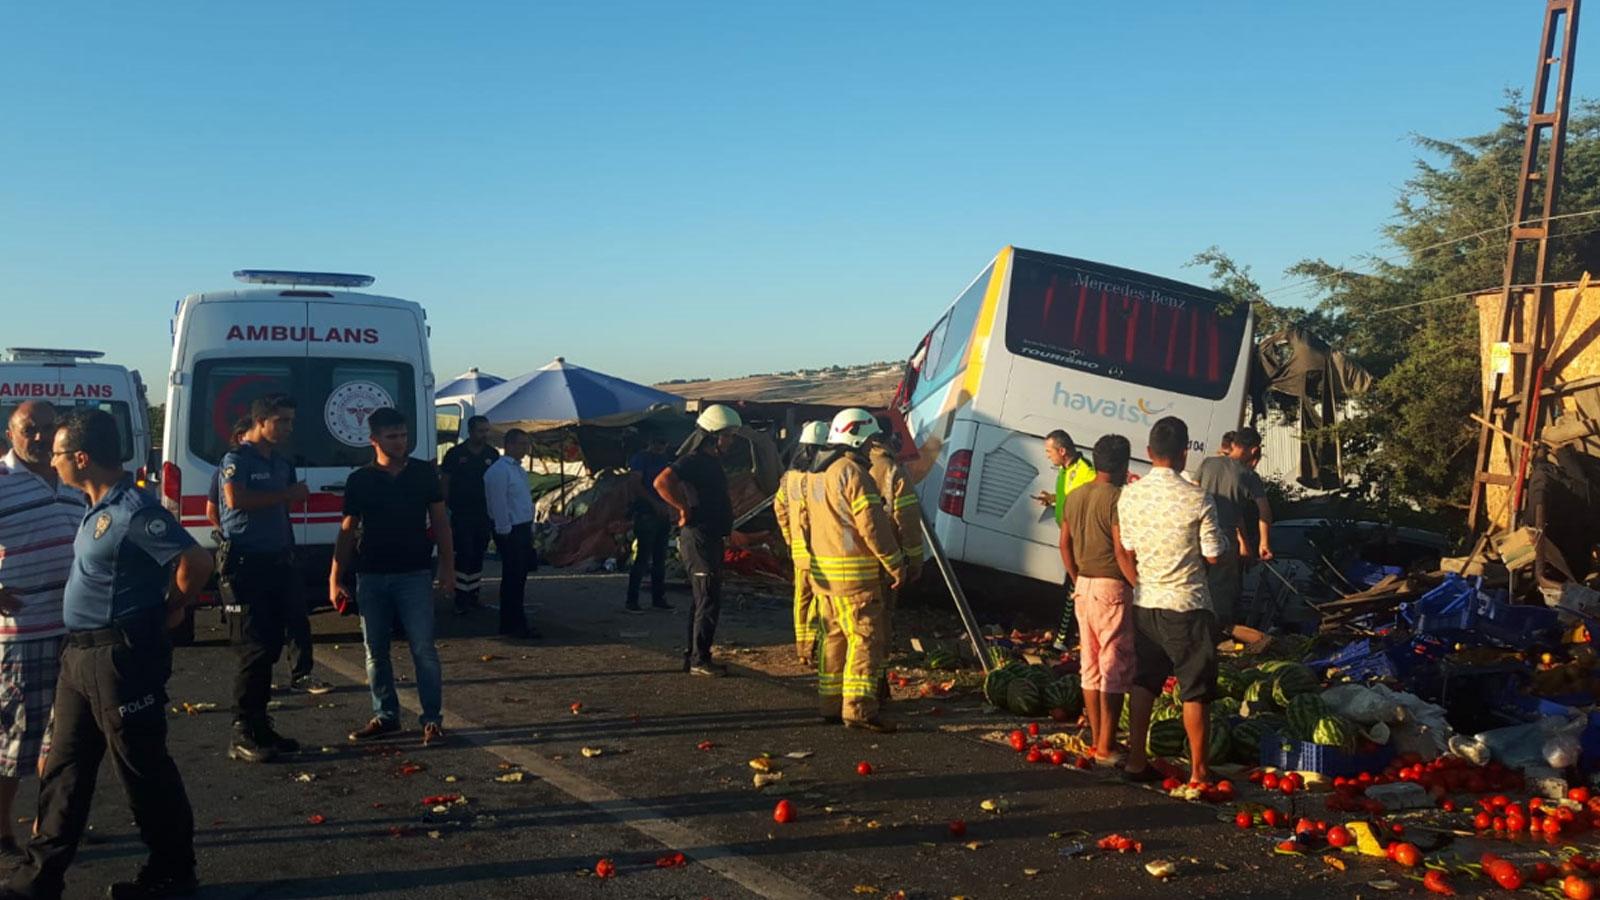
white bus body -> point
(1040, 342)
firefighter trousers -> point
(855, 644)
(805, 617)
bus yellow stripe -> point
(978, 350)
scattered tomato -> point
(863, 768)
(1576, 887)
(1482, 821)
(1339, 836)
(1058, 757)
(1034, 755)
(957, 829)
(1270, 781)
(1272, 817)
(317, 819)
(1578, 794)
(783, 813)
(1508, 877)
(605, 868)
(1018, 741)
(1437, 882)
(1033, 729)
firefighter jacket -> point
(790, 508)
(901, 503)
(850, 536)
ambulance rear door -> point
(360, 357)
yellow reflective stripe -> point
(906, 502)
(781, 497)
(862, 502)
(914, 551)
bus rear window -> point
(333, 397)
(1115, 324)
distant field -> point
(862, 388)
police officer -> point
(789, 507)
(258, 574)
(134, 574)
(856, 563)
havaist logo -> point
(1139, 411)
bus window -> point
(947, 344)
(1107, 324)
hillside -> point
(865, 385)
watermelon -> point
(1024, 697)
(1071, 695)
(1055, 696)
(1290, 682)
(1167, 738)
(1218, 742)
(1040, 675)
(1334, 731)
(1303, 713)
(994, 687)
(941, 658)
(1165, 708)
(1271, 667)
(1258, 700)
(1227, 707)
(1228, 682)
(1245, 740)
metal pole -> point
(936, 550)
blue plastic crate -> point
(1304, 756)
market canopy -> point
(561, 395)
(468, 383)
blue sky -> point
(687, 189)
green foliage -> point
(1409, 318)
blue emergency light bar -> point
(321, 279)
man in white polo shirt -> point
(39, 516)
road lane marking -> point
(648, 821)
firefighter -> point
(789, 506)
(855, 564)
(900, 502)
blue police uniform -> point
(261, 587)
(112, 691)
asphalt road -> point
(344, 821)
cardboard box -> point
(1516, 548)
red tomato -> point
(1287, 786)
(1034, 755)
(1033, 729)
(1535, 803)
(605, 868)
(1339, 836)
(783, 813)
(1498, 801)
(1516, 824)
(1576, 887)
(1482, 821)
(1541, 872)
(957, 829)
(1435, 882)
(1244, 820)
(1447, 805)
(1019, 741)
(1305, 826)
(1272, 817)
(863, 768)
(1499, 824)
(1171, 784)
(1578, 794)
(1508, 877)
(1058, 757)
(1551, 826)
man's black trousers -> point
(112, 696)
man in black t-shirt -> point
(697, 488)
(385, 548)
(461, 478)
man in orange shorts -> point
(1102, 578)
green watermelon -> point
(1040, 675)
(1055, 696)
(941, 658)
(1165, 708)
(1303, 713)
(1258, 700)
(1245, 740)
(1228, 682)
(1290, 682)
(994, 687)
(1227, 707)
(1071, 695)
(1334, 731)
(1272, 667)
(1218, 742)
(1167, 738)
(1024, 697)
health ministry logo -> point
(1140, 411)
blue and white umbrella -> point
(468, 383)
(561, 394)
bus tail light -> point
(953, 495)
(172, 488)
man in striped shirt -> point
(39, 516)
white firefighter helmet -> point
(717, 417)
(814, 434)
(853, 428)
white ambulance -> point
(70, 379)
(340, 354)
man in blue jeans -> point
(391, 504)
